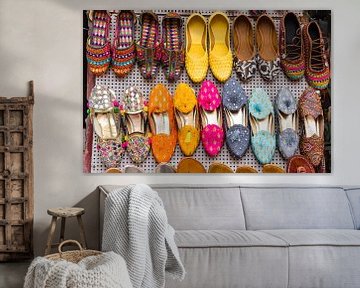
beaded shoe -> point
(149, 49)
(124, 52)
(212, 134)
(173, 52)
(162, 124)
(286, 108)
(187, 119)
(137, 139)
(317, 70)
(98, 46)
(263, 141)
(291, 47)
(236, 118)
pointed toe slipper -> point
(286, 108)
(312, 140)
(216, 167)
(272, 168)
(162, 124)
(220, 56)
(149, 48)
(187, 119)
(261, 111)
(244, 48)
(212, 134)
(190, 165)
(98, 46)
(113, 170)
(111, 152)
(267, 59)
(124, 51)
(164, 168)
(196, 53)
(137, 138)
(173, 53)
(133, 169)
(299, 164)
(245, 169)
(236, 118)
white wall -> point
(42, 40)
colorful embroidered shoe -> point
(236, 118)
(267, 59)
(149, 49)
(312, 140)
(262, 126)
(244, 48)
(98, 47)
(124, 52)
(162, 124)
(137, 139)
(299, 164)
(212, 134)
(190, 165)
(272, 168)
(317, 71)
(173, 53)
(104, 114)
(286, 108)
(196, 54)
(220, 56)
(291, 47)
(187, 119)
(216, 167)
(245, 169)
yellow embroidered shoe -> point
(187, 119)
(220, 56)
(196, 54)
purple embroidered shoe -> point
(286, 108)
(236, 118)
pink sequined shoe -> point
(212, 134)
(137, 141)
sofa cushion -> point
(354, 198)
(226, 238)
(317, 237)
(296, 208)
(203, 208)
(216, 267)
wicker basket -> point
(72, 256)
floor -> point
(12, 274)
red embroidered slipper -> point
(98, 47)
(124, 52)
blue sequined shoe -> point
(236, 118)
(286, 108)
(261, 111)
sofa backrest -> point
(296, 208)
(203, 208)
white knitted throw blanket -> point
(102, 271)
(136, 227)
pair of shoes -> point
(199, 54)
(312, 116)
(113, 140)
(245, 56)
(303, 51)
(100, 53)
(152, 52)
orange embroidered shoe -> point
(317, 71)
(291, 47)
(162, 123)
(98, 47)
(124, 52)
(312, 140)
(187, 118)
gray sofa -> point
(264, 237)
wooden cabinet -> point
(16, 177)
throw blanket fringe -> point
(136, 227)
